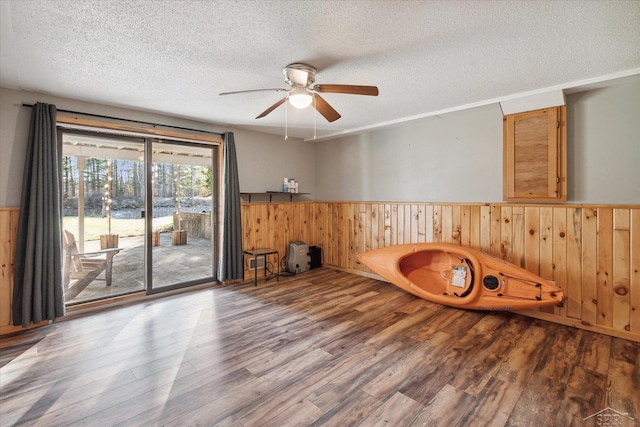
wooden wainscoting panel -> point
(377, 238)
(347, 255)
(634, 281)
(591, 252)
(574, 274)
(589, 266)
(8, 233)
(517, 243)
(605, 267)
(430, 224)
(465, 225)
(6, 267)
(559, 256)
(485, 229)
(447, 224)
(532, 239)
(474, 226)
(386, 224)
(495, 248)
(399, 224)
(621, 269)
(506, 233)
(546, 243)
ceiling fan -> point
(301, 94)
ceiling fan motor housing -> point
(299, 74)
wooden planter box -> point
(179, 238)
(108, 241)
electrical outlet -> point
(252, 263)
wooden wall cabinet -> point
(535, 156)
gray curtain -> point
(38, 292)
(231, 264)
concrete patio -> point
(171, 265)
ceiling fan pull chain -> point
(286, 121)
(315, 116)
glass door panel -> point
(183, 232)
(103, 198)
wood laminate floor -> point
(323, 348)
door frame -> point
(147, 139)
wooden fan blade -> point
(347, 89)
(273, 107)
(325, 109)
(253, 90)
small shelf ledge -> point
(273, 193)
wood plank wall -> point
(591, 252)
(275, 225)
(8, 231)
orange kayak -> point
(461, 277)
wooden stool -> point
(179, 237)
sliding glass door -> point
(183, 205)
(103, 195)
(138, 214)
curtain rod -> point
(127, 120)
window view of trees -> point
(195, 181)
(127, 188)
(127, 184)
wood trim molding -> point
(103, 124)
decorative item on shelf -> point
(179, 236)
(292, 185)
(108, 240)
(285, 185)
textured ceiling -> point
(426, 57)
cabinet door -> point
(534, 155)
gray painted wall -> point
(453, 158)
(458, 157)
(263, 159)
(604, 145)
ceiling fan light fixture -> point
(300, 98)
(301, 94)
